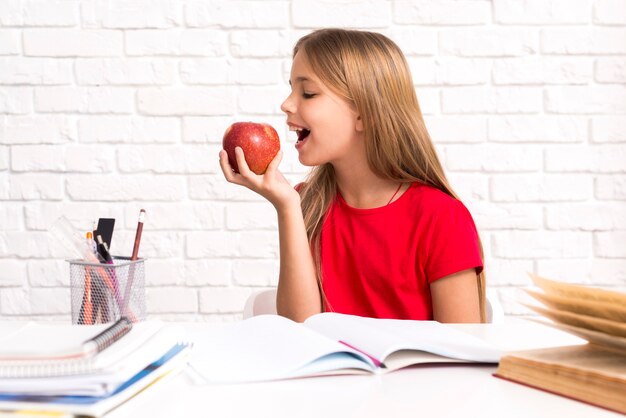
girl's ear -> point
(359, 124)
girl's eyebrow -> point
(300, 79)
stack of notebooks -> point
(594, 372)
(84, 370)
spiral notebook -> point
(44, 350)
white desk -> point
(422, 391)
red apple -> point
(259, 142)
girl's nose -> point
(288, 106)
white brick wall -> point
(109, 106)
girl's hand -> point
(272, 185)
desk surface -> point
(432, 390)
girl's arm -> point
(298, 293)
(455, 297)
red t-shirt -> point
(380, 262)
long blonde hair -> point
(369, 71)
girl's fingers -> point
(244, 170)
(273, 166)
(229, 174)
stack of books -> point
(594, 372)
(84, 370)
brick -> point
(169, 272)
(131, 14)
(449, 71)
(326, 13)
(4, 158)
(191, 159)
(238, 14)
(12, 272)
(187, 101)
(260, 44)
(40, 129)
(171, 299)
(130, 71)
(36, 71)
(541, 12)
(212, 244)
(594, 159)
(258, 244)
(4, 190)
(223, 299)
(587, 216)
(456, 129)
(469, 186)
(610, 187)
(610, 70)
(15, 301)
(544, 70)
(608, 129)
(490, 158)
(154, 244)
(251, 216)
(214, 272)
(610, 244)
(429, 100)
(31, 244)
(205, 129)
(72, 43)
(11, 13)
(576, 271)
(255, 272)
(42, 215)
(120, 188)
(492, 100)
(540, 188)
(541, 244)
(490, 216)
(48, 273)
(16, 100)
(176, 42)
(538, 129)
(261, 100)
(488, 42)
(178, 216)
(73, 158)
(609, 12)
(608, 271)
(84, 99)
(50, 13)
(583, 100)
(210, 71)
(578, 41)
(12, 216)
(35, 186)
(217, 188)
(10, 42)
(507, 272)
(129, 129)
(446, 12)
(422, 41)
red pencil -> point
(142, 215)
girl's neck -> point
(363, 189)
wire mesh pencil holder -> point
(103, 293)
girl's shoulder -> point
(430, 201)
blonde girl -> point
(375, 230)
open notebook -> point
(270, 347)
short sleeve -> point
(453, 243)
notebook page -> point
(264, 347)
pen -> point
(142, 215)
(131, 275)
(111, 281)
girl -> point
(375, 230)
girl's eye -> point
(308, 95)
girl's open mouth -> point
(302, 134)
